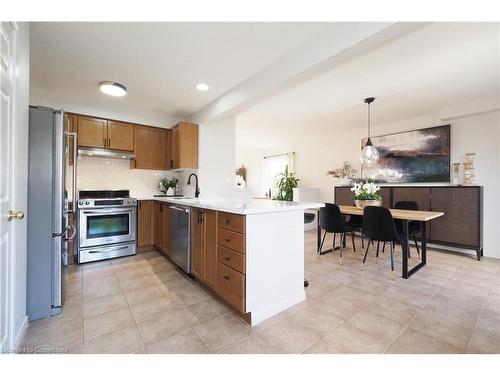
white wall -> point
(217, 159)
(323, 146)
(19, 317)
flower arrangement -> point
(167, 183)
(346, 171)
(365, 194)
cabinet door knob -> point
(227, 258)
(228, 221)
(227, 239)
(226, 277)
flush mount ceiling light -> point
(113, 88)
(369, 153)
(202, 87)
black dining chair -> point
(331, 220)
(378, 225)
(413, 226)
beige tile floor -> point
(143, 304)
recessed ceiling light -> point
(113, 88)
(202, 87)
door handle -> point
(15, 215)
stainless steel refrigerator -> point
(51, 194)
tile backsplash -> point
(104, 174)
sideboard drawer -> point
(231, 286)
(231, 258)
(233, 240)
(232, 222)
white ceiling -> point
(438, 66)
(160, 63)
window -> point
(272, 167)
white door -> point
(11, 224)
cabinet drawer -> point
(233, 240)
(231, 286)
(232, 222)
(231, 258)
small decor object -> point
(240, 177)
(419, 155)
(369, 153)
(456, 173)
(285, 183)
(469, 176)
(344, 173)
(168, 186)
(365, 194)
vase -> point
(469, 175)
(170, 192)
(362, 203)
(345, 181)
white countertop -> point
(242, 207)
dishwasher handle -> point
(186, 210)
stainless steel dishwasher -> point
(180, 223)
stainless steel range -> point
(107, 222)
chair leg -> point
(378, 250)
(362, 239)
(392, 259)
(342, 240)
(416, 245)
(366, 253)
(322, 241)
(383, 247)
(353, 244)
(334, 239)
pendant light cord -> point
(369, 121)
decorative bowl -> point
(362, 203)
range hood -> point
(105, 153)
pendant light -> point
(369, 154)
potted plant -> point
(167, 185)
(285, 183)
(345, 173)
(365, 194)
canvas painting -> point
(414, 156)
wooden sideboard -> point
(462, 223)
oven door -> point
(101, 226)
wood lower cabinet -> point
(184, 146)
(197, 250)
(92, 131)
(166, 237)
(120, 136)
(204, 246)
(231, 286)
(158, 225)
(145, 223)
(149, 148)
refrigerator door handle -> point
(70, 226)
(75, 156)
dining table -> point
(405, 216)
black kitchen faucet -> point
(197, 188)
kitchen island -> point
(249, 253)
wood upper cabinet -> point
(149, 148)
(70, 125)
(120, 136)
(183, 145)
(92, 131)
(145, 223)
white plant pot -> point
(344, 181)
(170, 192)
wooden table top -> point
(397, 214)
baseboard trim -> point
(22, 332)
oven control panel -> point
(100, 203)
